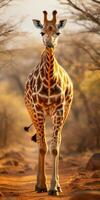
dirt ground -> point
(18, 177)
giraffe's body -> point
(48, 91)
(48, 85)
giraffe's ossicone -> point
(48, 91)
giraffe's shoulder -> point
(62, 71)
(33, 74)
(65, 75)
(31, 79)
(66, 81)
(36, 70)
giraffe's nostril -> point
(50, 45)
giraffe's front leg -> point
(55, 147)
(41, 177)
(37, 115)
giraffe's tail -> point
(26, 128)
(33, 138)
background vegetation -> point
(78, 52)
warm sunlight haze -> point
(30, 9)
(49, 100)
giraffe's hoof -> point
(39, 189)
(53, 192)
(59, 189)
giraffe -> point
(48, 91)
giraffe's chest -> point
(44, 89)
(49, 91)
(43, 92)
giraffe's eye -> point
(58, 33)
(42, 33)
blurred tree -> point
(85, 107)
(87, 14)
(88, 11)
(8, 28)
(5, 27)
(12, 116)
(85, 56)
(4, 3)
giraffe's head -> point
(50, 29)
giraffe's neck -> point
(48, 68)
(49, 59)
(48, 62)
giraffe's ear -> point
(37, 23)
(61, 23)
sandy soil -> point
(17, 177)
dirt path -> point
(22, 188)
(17, 179)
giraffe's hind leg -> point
(38, 119)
